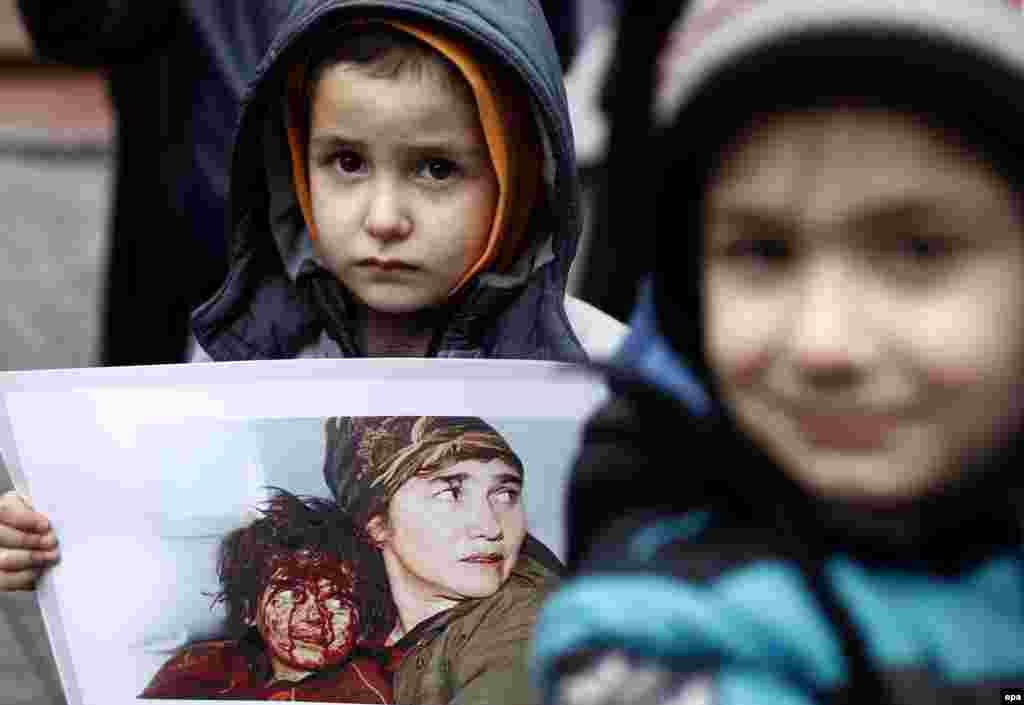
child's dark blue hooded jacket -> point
(692, 551)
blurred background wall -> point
(12, 38)
(55, 141)
(55, 136)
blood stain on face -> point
(307, 615)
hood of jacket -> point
(960, 62)
(262, 311)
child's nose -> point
(828, 341)
(309, 612)
(386, 215)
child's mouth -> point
(387, 265)
(853, 432)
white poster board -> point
(142, 471)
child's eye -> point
(438, 169)
(917, 256)
(285, 598)
(760, 249)
(348, 162)
(924, 248)
(754, 257)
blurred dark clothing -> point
(621, 441)
(561, 17)
(176, 72)
(614, 268)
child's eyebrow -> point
(750, 219)
(329, 139)
(450, 144)
(284, 583)
(878, 215)
(414, 146)
(902, 213)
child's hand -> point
(27, 543)
(613, 678)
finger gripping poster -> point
(337, 531)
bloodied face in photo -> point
(308, 582)
(303, 591)
(307, 614)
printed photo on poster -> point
(341, 545)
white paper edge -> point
(45, 595)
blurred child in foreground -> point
(836, 516)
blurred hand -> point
(27, 543)
(613, 678)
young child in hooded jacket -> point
(837, 517)
(402, 184)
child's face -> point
(864, 300)
(402, 185)
(306, 614)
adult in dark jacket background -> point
(562, 18)
(176, 72)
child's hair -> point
(249, 556)
(382, 51)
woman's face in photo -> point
(455, 533)
(306, 614)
